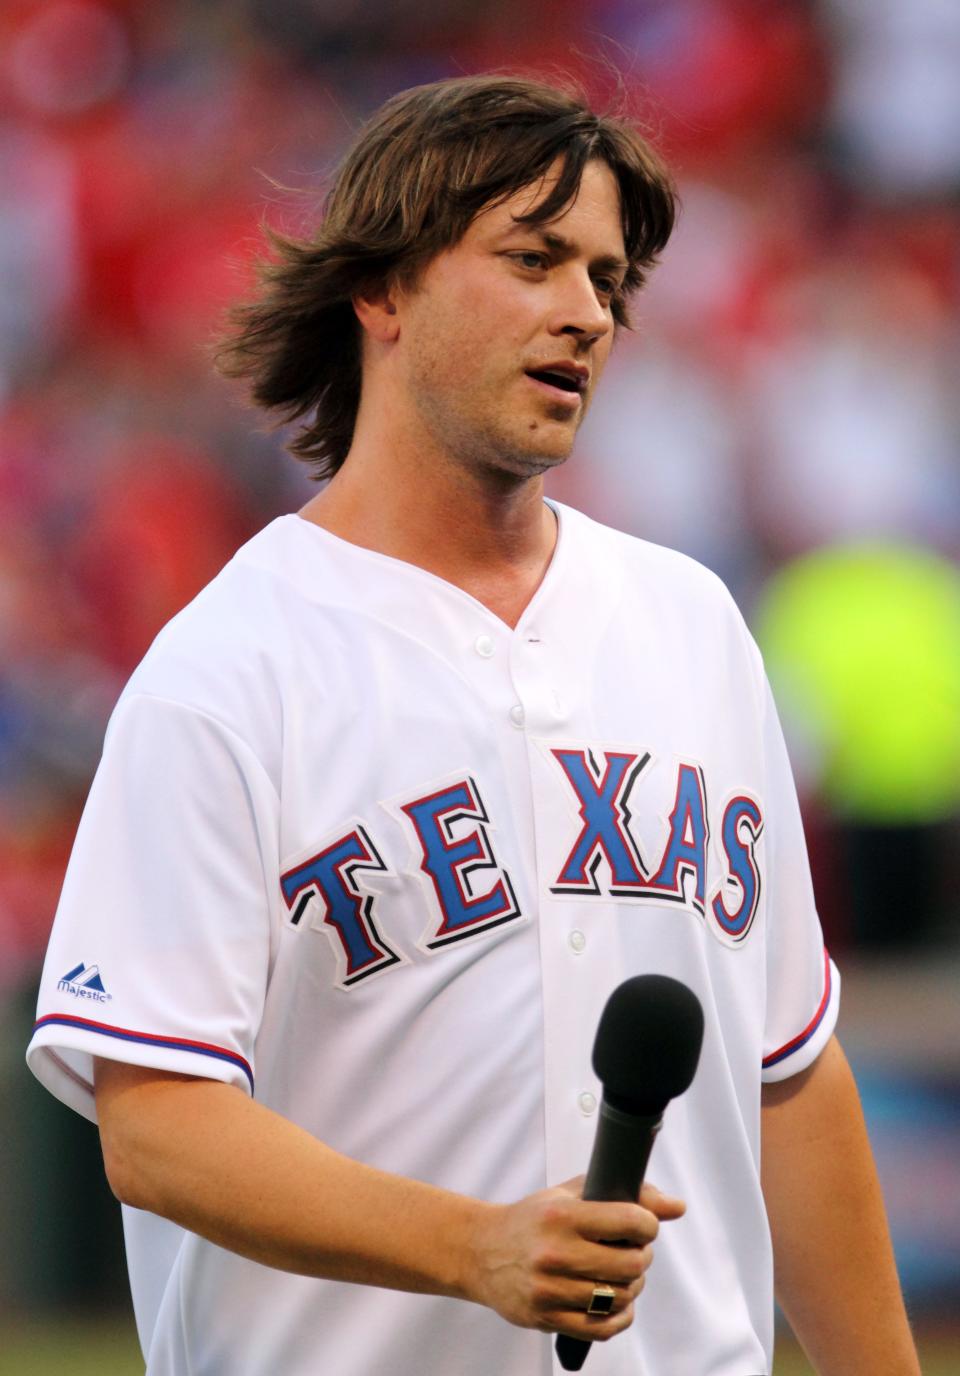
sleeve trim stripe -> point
(68, 1070)
(803, 1037)
(220, 1053)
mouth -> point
(565, 382)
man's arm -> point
(835, 1275)
(204, 1155)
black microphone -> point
(645, 1054)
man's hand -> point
(204, 1155)
(536, 1262)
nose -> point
(579, 311)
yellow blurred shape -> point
(862, 645)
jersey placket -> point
(568, 954)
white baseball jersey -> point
(362, 850)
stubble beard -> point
(478, 445)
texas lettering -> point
(466, 889)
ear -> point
(378, 315)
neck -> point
(489, 533)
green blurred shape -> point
(60, 1225)
(59, 1346)
(862, 644)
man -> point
(391, 808)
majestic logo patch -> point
(84, 982)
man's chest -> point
(445, 801)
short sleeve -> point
(803, 984)
(161, 944)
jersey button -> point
(483, 646)
(587, 1103)
(517, 715)
(577, 941)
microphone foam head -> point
(648, 1043)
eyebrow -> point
(566, 248)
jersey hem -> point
(803, 1049)
(61, 1052)
(148, 1039)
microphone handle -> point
(621, 1150)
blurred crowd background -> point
(787, 410)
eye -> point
(606, 286)
(532, 260)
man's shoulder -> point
(222, 654)
(671, 572)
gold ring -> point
(601, 1300)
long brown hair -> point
(416, 176)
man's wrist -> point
(481, 1222)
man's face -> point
(505, 335)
